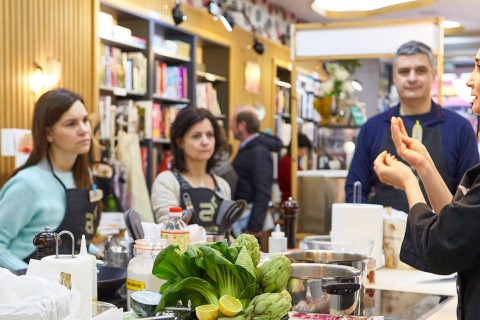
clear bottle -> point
(175, 230)
(139, 271)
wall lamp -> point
(46, 77)
(177, 13)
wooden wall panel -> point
(32, 31)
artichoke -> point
(251, 244)
(273, 275)
(269, 306)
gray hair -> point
(415, 47)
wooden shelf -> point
(166, 55)
(170, 99)
(122, 43)
(210, 77)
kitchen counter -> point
(420, 282)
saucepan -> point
(325, 288)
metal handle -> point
(340, 288)
(73, 243)
(357, 192)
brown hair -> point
(48, 110)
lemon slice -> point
(207, 312)
(229, 306)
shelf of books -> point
(148, 70)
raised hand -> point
(391, 171)
(412, 150)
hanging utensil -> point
(230, 211)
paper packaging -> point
(360, 221)
(394, 225)
(81, 270)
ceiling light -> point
(448, 24)
(362, 8)
(177, 13)
(213, 8)
(227, 21)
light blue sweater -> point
(30, 201)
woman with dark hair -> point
(195, 138)
(54, 187)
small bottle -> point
(84, 253)
(175, 230)
(417, 132)
(277, 242)
(139, 271)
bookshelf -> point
(167, 66)
(212, 73)
(282, 100)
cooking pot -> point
(325, 288)
(357, 261)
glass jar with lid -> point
(139, 271)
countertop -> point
(323, 173)
(420, 282)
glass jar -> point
(139, 271)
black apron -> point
(204, 206)
(81, 218)
(389, 196)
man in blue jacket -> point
(448, 136)
(254, 166)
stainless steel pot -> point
(354, 260)
(325, 288)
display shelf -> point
(206, 76)
(170, 72)
(123, 43)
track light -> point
(177, 13)
(227, 21)
(258, 46)
(357, 85)
(213, 8)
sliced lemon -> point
(207, 312)
(229, 306)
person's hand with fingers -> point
(397, 174)
(392, 171)
(411, 150)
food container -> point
(325, 288)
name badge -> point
(95, 195)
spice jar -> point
(139, 271)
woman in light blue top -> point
(52, 187)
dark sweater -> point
(449, 242)
(254, 166)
